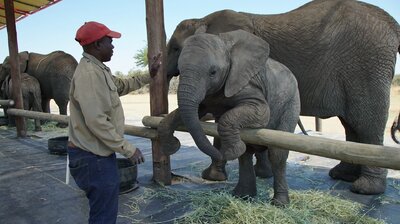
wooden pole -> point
(129, 129)
(356, 153)
(38, 115)
(7, 102)
(14, 65)
(318, 124)
(158, 85)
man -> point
(96, 125)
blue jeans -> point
(98, 177)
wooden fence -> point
(366, 154)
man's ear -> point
(97, 44)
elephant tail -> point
(302, 127)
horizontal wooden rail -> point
(38, 115)
(357, 153)
(7, 102)
(373, 155)
(129, 129)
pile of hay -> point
(305, 207)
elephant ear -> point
(201, 29)
(248, 55)
(23, 60)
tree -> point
(141, 57)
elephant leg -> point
(230, 123)
(246, 187)
(46, 105)
(62, 106)
(278, 156)
(38, 125)
(371, 180)
(346, 171)
(278, 159)
(263, 167)
(169, 143)
(216, 171)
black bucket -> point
(58, 145)
(127, 175)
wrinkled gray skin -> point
(343, 54)
(230, 76)
(31, 94)
(54, 72)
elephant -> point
(343, 55)
(230, 76)
(31, 95)
(54, 72)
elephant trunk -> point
(190, 96)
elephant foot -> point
(263, 170)
(371, 181)
(280, 199)
(346, 172)
(369, 185)
(215, 173)
(170, 146)
(62, 125)
(233, 151)
(244, 192)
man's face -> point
(105, 48)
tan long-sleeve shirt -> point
(96, 115)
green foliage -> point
(141, 57)
(119, 74)
(134, 72)
(396, 80)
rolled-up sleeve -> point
(127, 85)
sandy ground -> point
(137, 106)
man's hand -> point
(155, 64)
(137, 157)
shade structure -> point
(24, 8)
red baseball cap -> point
(92, 31)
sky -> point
(54, 28)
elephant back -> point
(54, 72)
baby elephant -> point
(31, 95)
(230, 76)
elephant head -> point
(214, 23)
(5, 68)
(215, 64)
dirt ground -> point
(139, 106)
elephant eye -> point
(213, 72)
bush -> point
(396, 80)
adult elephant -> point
(54, 72)
(31, 95)
(230, 76)
(343, 54)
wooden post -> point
(14, 65)
(318, 124)
(158, 85)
